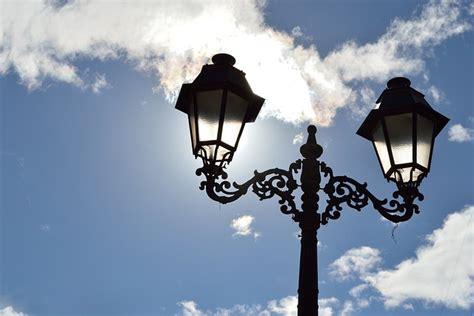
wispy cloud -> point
(43, 40)
(45, 228)
(242, 226)
(99, 83)
(296, 31)
(460, 134)
(435, 93)
(298, 139)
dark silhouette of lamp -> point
(403, 130)
(219, 102)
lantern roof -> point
(399, 98)
(221, 74)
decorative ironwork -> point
(345, 190)
(340, 191)
(267, 184)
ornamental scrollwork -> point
(267, 184)
(344, 190)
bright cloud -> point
(441, 273)
(243, 226)
(286, 306)
(298, 139)
(357, 261)
(43, 40)
(189, 308)
(10, 311)
(460, 134)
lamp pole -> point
(403, 128)
(309, 222)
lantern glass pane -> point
(400, 133)
(381, 147)
(209, 110)
(424, 137)
(192, 125)
(406, 175)
(209, 153)
(235, 110)
(222, 153)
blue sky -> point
(100, 209)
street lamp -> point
(219, 102)
(402, 129)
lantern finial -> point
(223, 59)
(398, 82)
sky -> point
(100, 207)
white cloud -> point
(10, 311)
(286, 306)
(408, 307)
(327, 306)
(99, 83)
(435, 93)
(347, 309)
(43, 40)
(298, 139)
(357, 290)
(458, 133)
(356, 261)
(442, 271)
(296, 31)
(189, 308)
(243, 226)
(367, 100)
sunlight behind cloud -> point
(42, 40)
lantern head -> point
(403, 129)
(219, 102)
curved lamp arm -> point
(265, 185)
(342, 189)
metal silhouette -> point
(402, 130)
(340, 190)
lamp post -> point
(402, 129)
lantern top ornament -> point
(221, 74)
(397, 98)
(223, 59)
